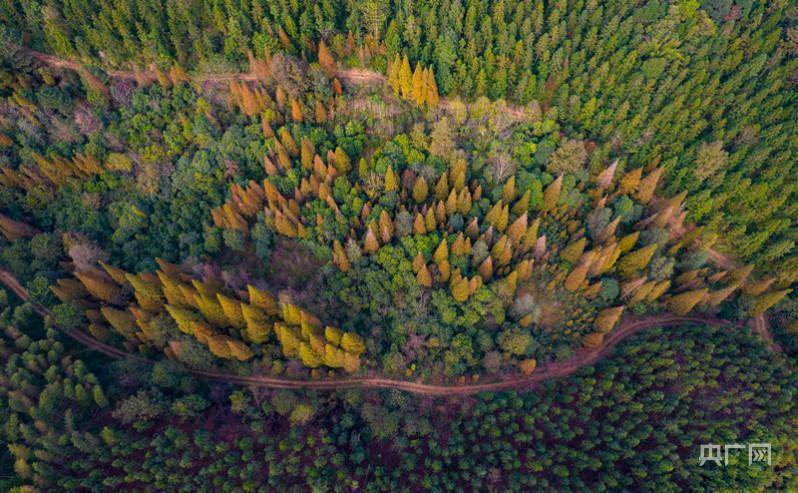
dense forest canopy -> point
(707, 87)
(235, 203)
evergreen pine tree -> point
(406, 79)
(418, 85)
(762, 303)
(681, 304)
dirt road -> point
(583, 357)
(354, 76)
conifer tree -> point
(258, 325)
(430, 224)
(391, 181)
(406, 79)
(642, 293)
(148, 293)
(451, 203)
(441, 252)
(574, 250)
(333, 356)
(464, 201)
(493, 215)
(219, 347)
(658, 290)
(296, 111)
(607, 318)
(238, 350)
(212, 310)
(386, 227)
(419, 225)
(630, 182)
(594, 340)
(460, 290)
(183, 317)
(577, 276)
(552, 194)
(423, 276)
(628, 242)
(648, 186)
(681, 304)
(118, 275)
(394, 69)
(15, 230)
(101, 288)
(507, 286)
(420, 190)
(508, 190)
(444, 271)
(321, 112)
(351, 362)
(289, 339)
(763, 303)
(418, 85)
(122, 321)
(636, 260)
(263, 299)
(432, 97)
(291, 313)
(756, 288)
(333, 335)
(522, 205)
(424, 85)
(204, 333)
(370, 243)
(524, 269)
(418, 262)
(341, 161)
(442, 187)
(326, 60)
(740, 275)
(485, 269)
(503, 218)
(715, 298)
(352, 343)
(309, 357)
(339, 257)
(232, 311)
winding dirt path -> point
(358, 76)
(560, 369)
(354, 76)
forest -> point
(397, 246)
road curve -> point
(559, 369)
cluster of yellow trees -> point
(511, 246)
(228, 324)
(253, 100)
(305, 338)
(415, 85)
(506, 231)
(284, 212)
(609, 253)
(53, 171)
